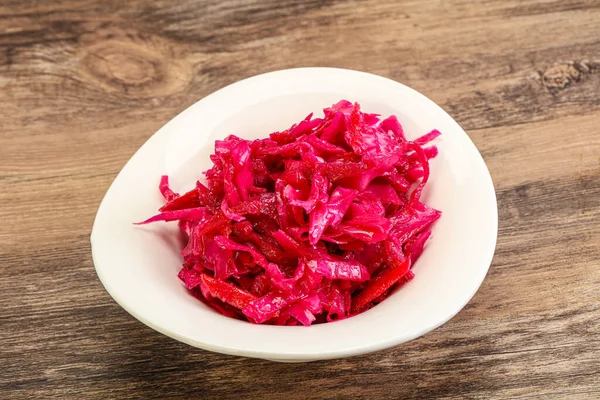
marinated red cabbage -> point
(313, 224)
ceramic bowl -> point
(138, 265)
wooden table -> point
(84, 83)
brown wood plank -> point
(84, 83)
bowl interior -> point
(139, 265)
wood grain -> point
(84, 83)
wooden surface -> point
(84, 83)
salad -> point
(312, 224)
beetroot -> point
(312, 224)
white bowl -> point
(139, 265)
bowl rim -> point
(292, 355)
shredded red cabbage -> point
(312, 224)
